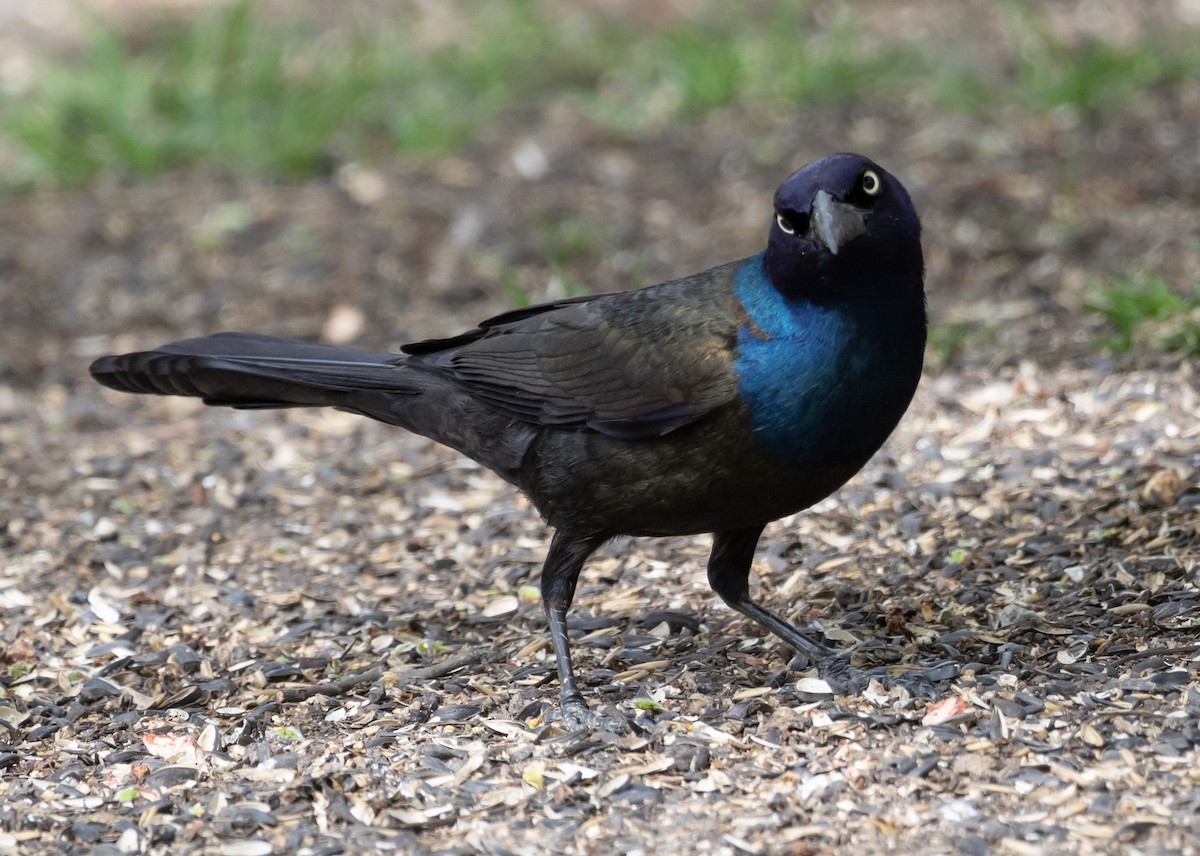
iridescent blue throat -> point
(824, 383)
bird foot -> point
(846, 679)
(577, 716)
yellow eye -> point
(784, 225)
(870, 183)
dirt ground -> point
(246, 633)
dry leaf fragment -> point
(1089, 735)
(252, 847)
(944, 710)
(503, 605)
(1130, 608)
(1162, 489)
(176, 748)
(535, 775)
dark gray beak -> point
(835, 223)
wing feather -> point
(632, 365)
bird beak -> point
(835, 223)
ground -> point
(303, 632)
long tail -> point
(245, 370)
(249, 371)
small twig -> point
(472, 657)
(335, 688)
(1153, 652)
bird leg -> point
(564, 561)
(729, 575)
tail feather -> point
(248, 371)
(251, 371)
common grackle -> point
(714, 403)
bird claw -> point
(577, 716)
(845, 679)
(918, 684)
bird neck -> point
(827, 382)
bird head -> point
(842, 221)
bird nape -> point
(714, 403)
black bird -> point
(714, 403)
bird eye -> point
(870, 183)
(786, 227)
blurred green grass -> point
(280, 99)
(1145, 312)
(289, 99)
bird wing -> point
(633, 365)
